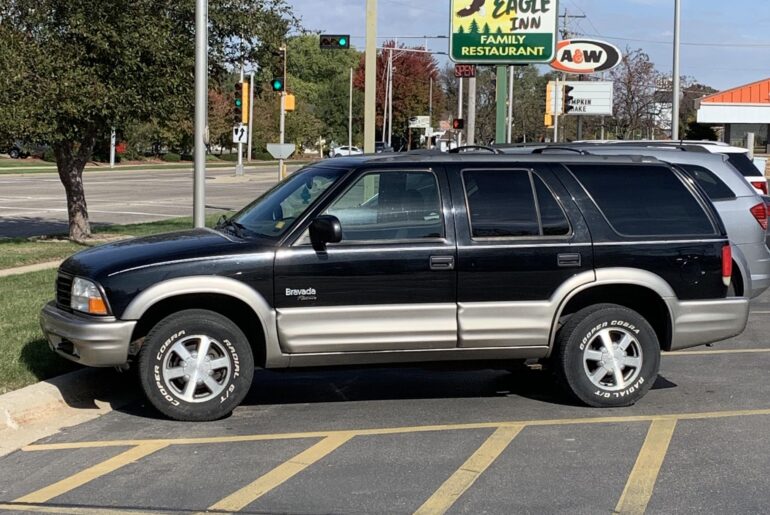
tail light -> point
(727, 264)
(760, 213)
(760, 185)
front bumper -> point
(701, 322)
(86, 340)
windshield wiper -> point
(228, 223)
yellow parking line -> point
(641, 482)
(717, 352)
(400, 430)
(454, 487)
(91, 473)
(42, 508)
(282, 473)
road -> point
(427, 439)
(35, 204)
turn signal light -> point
(760, 213)
(760, 185)
(727, 264)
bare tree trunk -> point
(70, 165)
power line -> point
(658, 42)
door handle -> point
(569, 260)
(442, 263)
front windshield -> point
(273, 213)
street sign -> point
(281, 151)
(503, 31)
(586, 56)
(465, 71)
(419, 122)
(240, 134)
(590, 98)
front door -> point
(389, 285)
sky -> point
(723, 46)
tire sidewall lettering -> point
(604, 394)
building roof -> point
(756, 93)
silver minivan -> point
(742, 209)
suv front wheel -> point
(196, 365)
(607, 356)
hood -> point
(111, 258)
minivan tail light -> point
(760, 185)
(760, 213)
(727, 264)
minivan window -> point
(644, 200)
(502, 203)
(711, 184)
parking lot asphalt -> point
(427, 439)
(35, 204)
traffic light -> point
(458, 124)
(238, 100)
(567, 99)
(335, 41)
(278, 85)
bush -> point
(230, 158)
(171, 157)
(48, 156)
(262, 156)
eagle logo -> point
(472, 9)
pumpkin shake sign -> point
(504, 31)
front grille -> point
(64, 291)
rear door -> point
(520, 239)
(389, 285)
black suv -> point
(595, 264)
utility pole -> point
(470, 131)
(239, 166)
(112, 148)
(390, 103)
(251, 117)
(201, 111)
(370, 104)
(501, 98)
(565, 34)
(677, 84)
(510, 104)
(350, 113)
(283, 112)
(429, 132)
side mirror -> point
(325, 229)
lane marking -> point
(55, 210)
(42, 508)
(464, 477)
(399, 430)
(717, 352)
(85, 476)
(641, 483)
(759, 312)
(282, 473)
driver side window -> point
(390, 206)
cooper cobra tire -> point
(196, 365)
(607, 356)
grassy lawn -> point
(21, 251)
(24, 354)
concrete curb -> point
(43, 409)
(29, 268)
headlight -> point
(87, 298)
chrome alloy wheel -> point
(197, 368)
(613, 359)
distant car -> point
(346, 151)
(382, 147)
(13, 150)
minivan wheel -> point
(196, 365)
(607, 356)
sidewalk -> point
(29, 268)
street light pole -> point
(677, 84)
(239, 165)
(370, 104)
(201, 111)
(251, 118)
(350, 113)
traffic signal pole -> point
(283, 113)
(251, 117)
(201, 111)
(370, 105)
(239, 166)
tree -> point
(73, 69)
(636, 103)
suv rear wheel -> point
(196, 365)
(607, 356)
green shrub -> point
(48, 156)
(171, 157)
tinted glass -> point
(743, 164)
(711, 184)
(644, 200)
(552, 217)
(501, 204)
(390, 206)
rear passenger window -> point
(711, 184)
(644, 200)
(512, 203)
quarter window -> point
(390, 206)
(644, 200)
(512, 203)
(711, 184)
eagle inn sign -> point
(504, 31)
